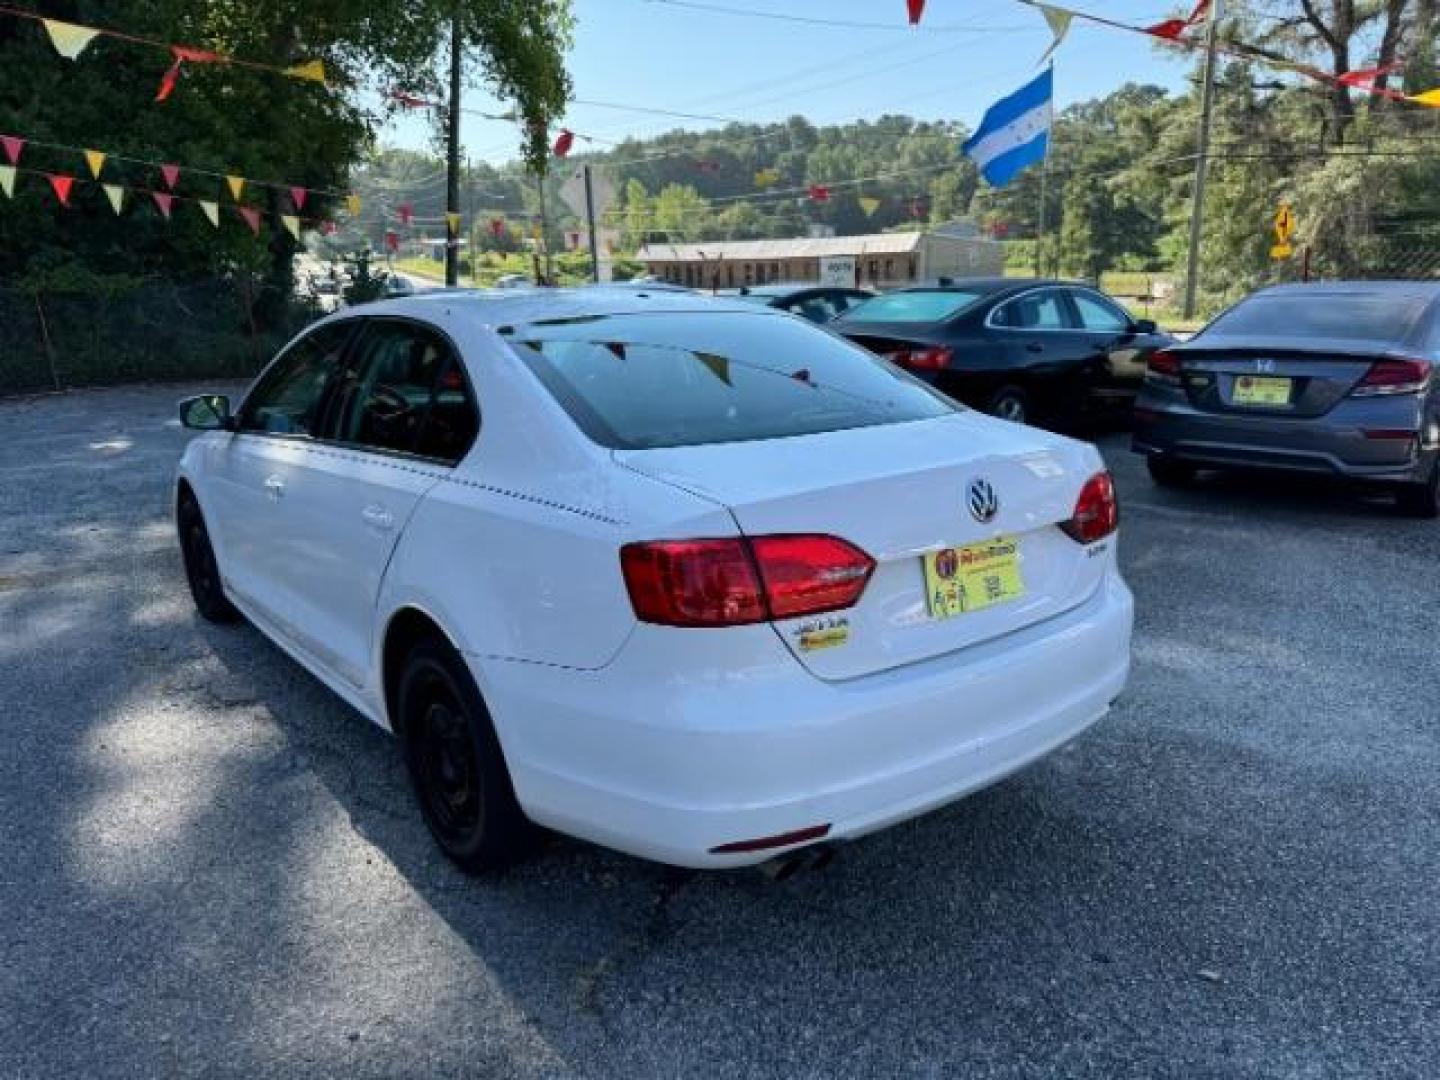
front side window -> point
(1040, 310)
(1099, 314)
(644, 381)
(403, 392)
(289, 397)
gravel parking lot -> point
(210, 866)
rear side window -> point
(913, 306)
(1041, 310)
(289, 397)
(1099, 314)
(1367, 316)
(645, 381)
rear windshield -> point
(1359, 316)
(687, 379)
(919, 306)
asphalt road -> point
(210, 867)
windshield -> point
(639, 382)
(918, 306)
(1365, 316)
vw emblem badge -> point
(983, 503)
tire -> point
(201, 570)
(456, 764)
(1167, 472)
(1011, 403)
(1421, 500)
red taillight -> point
(737, 581)
(1393, 377)
(1097, 514)
(932, 359)
(1163, 364)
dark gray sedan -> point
(1334, 378)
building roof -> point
(898, 243)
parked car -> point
(818, 303)
(712, 584)
(1335, 378)
(512, 281)
(1021, 349)
(396, 285)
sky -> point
(666, 54)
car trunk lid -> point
(1274, 376)
(899, 491)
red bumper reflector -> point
(764, 843)
(1389, 433)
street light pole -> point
(452, 158)
(1202, 159)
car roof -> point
(1337, 288)
(787, 289)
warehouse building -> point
(877, 260)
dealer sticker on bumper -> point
(962, 579)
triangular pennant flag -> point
(1365, 78)
(406, 212)
(251, 216)
(292, 224)
(869, 204)
(1171, 29)
(1059, 21)
(352, 205)
(766, 177)
(167, 81)
(62, 185)
(297, 196)
(237, 185)
(914, 9)
(165, 201)
(69, 40)
(392, 240)
(96, 160)
(719, 366)
(7, 180)
(13, 144)
(197, 56)
(212, 211)
(1428, 97)
(563, 143)
(312, 70)
(453, 221)
(171, 173)
(116, 194)
(497, 227)
(819, 193)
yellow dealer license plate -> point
(962, 579)
(1261, 390)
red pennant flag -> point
(297, 196)
(252, 218)
(13, 145)
(392, 240)
(497, 226)
(62, 185)
(196, 56)
(165, 201)
(819, 193)
(915, 8)
(410, 101)
(564, 143)
(171, 173)
(1365, 78)
(406, 212)
(1171, 29)
(167, 82)
(917, 208)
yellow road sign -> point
(1281, 251)
(1284, 225)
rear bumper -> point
(1335, 444)
(642, 758)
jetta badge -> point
(982, 501)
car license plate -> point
(1261, 390)
(962, 579)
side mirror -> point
(1145, 326)
(207, 412)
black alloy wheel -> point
(201, 570)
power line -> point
(810, 20)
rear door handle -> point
(274, 487)
(377, 517)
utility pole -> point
(544, 237)
(452, 158)
(590, 221)
(1202, 159)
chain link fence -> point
(157, 330)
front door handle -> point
(377, 517)
(274, 487)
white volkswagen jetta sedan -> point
(692, 579)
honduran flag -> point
(1015, 131)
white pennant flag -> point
(116, 194)
(7, 180)
(1059, 21)
(212, 211)
(69, 40)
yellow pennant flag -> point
(453, 221)
(292, 224)
(869, 204)
(766, 177)
(1058, 19)
(312, 70)
(7, 180)
(237, 185)
(116, 194)
(1429, 97)
(96, 161)
(212, 211)
(69, 40)
(352, 204)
